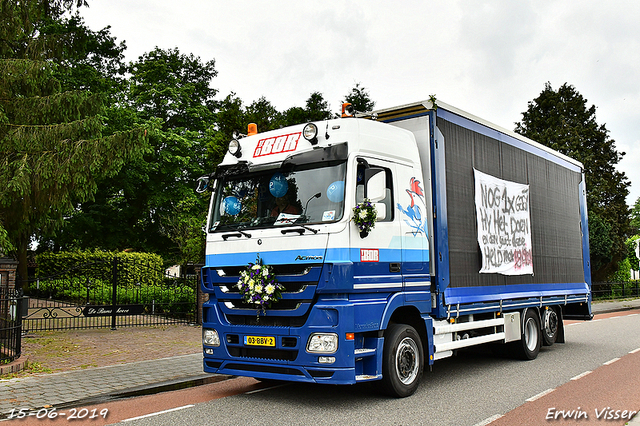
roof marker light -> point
(252, 129)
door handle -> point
(394, 267)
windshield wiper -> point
(238, 233)
(299, 230)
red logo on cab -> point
(369, 255)
(277, 145)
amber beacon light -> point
(347, 110)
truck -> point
(368, 246)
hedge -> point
(133, 269)
(165, 296)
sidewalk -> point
(104, 364)
(602, 307)
(80, 365)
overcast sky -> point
(489, 58)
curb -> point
(14, 366)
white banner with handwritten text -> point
(504, 225)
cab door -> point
(377, 256)
(411, 208)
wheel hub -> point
(407, 361)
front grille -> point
(292, 270)
(292, 310)
(267, 321)
(281, 305)
(271, 354)
(289, 287)
(289, 342)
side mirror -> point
(376, 181)
(381, 211)
(203, 184)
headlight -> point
(310, 133)
(210, 337)
(234, 148)
(323, 343)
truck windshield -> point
(300, 195)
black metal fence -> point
(615, 290)
(11, 311)
(110, 293)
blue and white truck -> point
(479, 236)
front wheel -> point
(403, 360)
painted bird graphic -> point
(413, 213)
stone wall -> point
(8, 269)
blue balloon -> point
(278, 185)
(231, 206)
(335, 191)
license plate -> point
(260, 341)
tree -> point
(635, 218)
(264, 114)
(317, 108)
(631, 252)
(146, 206)
(52, 142)
(562, 120)
(229, 119)
(359, 98)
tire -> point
(403, 360)
(550, 326)
(528, 347)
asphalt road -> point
(474, 388)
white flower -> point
(258, 288)
(265, 272)
(256, 266)
(363, 214)
(270, 288)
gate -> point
(10, 323)
(110, 293)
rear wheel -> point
(403, 360)
(550, 326)
(528, 346)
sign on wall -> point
(504, 225)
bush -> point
(624, 271)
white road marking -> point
(611, 361)
(580, 376)
(491, 419)
(159, 412)
(540, 395)
(264, 389)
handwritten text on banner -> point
(504, 225)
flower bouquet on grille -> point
(258, 286)
(364, 216)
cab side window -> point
(361, 181)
